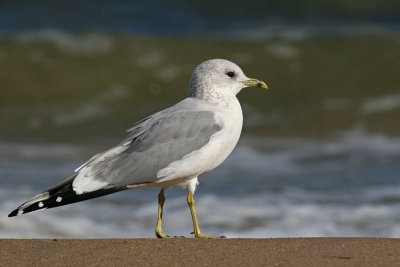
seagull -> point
(172, 147)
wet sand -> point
(201, 252)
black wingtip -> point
(61, 195)
(14, 213)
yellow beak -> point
(255, 83)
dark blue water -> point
(189, 18)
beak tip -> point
(262, 85)
(255, 83)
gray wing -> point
(153, 144)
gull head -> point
(220, 76)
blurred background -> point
(319, 153)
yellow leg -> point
(161, 201)
(196, 231)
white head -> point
(219, 76)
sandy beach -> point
(199, 252)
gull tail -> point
(60, 195)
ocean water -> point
(268, 187)
(200, 18)
(319, 153)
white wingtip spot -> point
(59, 199)
(40, 197)
(20, 212)
(40, 204)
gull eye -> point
(230, 74)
